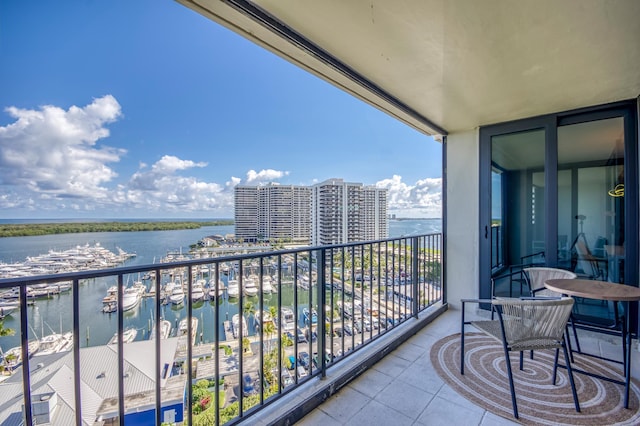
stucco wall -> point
(462, 216)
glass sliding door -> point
(518, 197)
(591, 210)
(562, 191)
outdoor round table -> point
(604, 290)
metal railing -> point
(327, 303)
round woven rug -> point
(485, 383)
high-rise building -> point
(346, 212)
(246, 212)
(332, 212)
(273, 212)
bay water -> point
(47, 316)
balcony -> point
(404, 388)
(250, 347)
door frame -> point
(628, 110)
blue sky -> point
(146, 109)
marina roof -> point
(54, 373)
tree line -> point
(31, 229)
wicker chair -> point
(536, 277)
(525, 325)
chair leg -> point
(555, 367)
(510, 374)
(575, 336)
(521, 360)
(570, 372)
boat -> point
(177, 295)
(232, 289)
(38, 291)
(139, 285)
(263, 317)
(130, 298)
(128, 336)
(109, 306)
(288, 319)
(7, 308)
(55, 343)
(197, 291)
(250, 289)
(182, 328)
(235, 325)
(13, 357)
(166, 291)
(165, 330)
(57, 288)
(267, 288)
(213, 294)
(313, 316)
(303, 282)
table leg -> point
(627, 354)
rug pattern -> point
(486, 383)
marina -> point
(98, 308)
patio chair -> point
(535, 279)
(523, 325)
(591, 267)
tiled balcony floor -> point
(403, 388)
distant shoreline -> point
(52, 228)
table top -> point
(591, 289)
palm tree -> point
(246, 345)
(269, 328)
(6, 331)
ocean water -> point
(54, 315)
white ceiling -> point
(458, 64)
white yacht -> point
(262, 317)
(233, 290)
(182, 328)
(128, 336)
(197, 291)
(54, 343)
(267, 288)
(235, 324)
(165, 330)
(177, 295)
(130, 298)
(212, 289)
(13, 357)
(7, 308)
(249, 287)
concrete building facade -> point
(331, 212)
(345, 212)
(273, 212)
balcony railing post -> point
(76, 351)
(415, 261)
(24, 337)
(189, 339)
(321, 262)
(121, 408)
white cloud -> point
(268, 175)
(422, 199)
(51, 162)
(170, 164)
(160, 188)
(53, 151)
